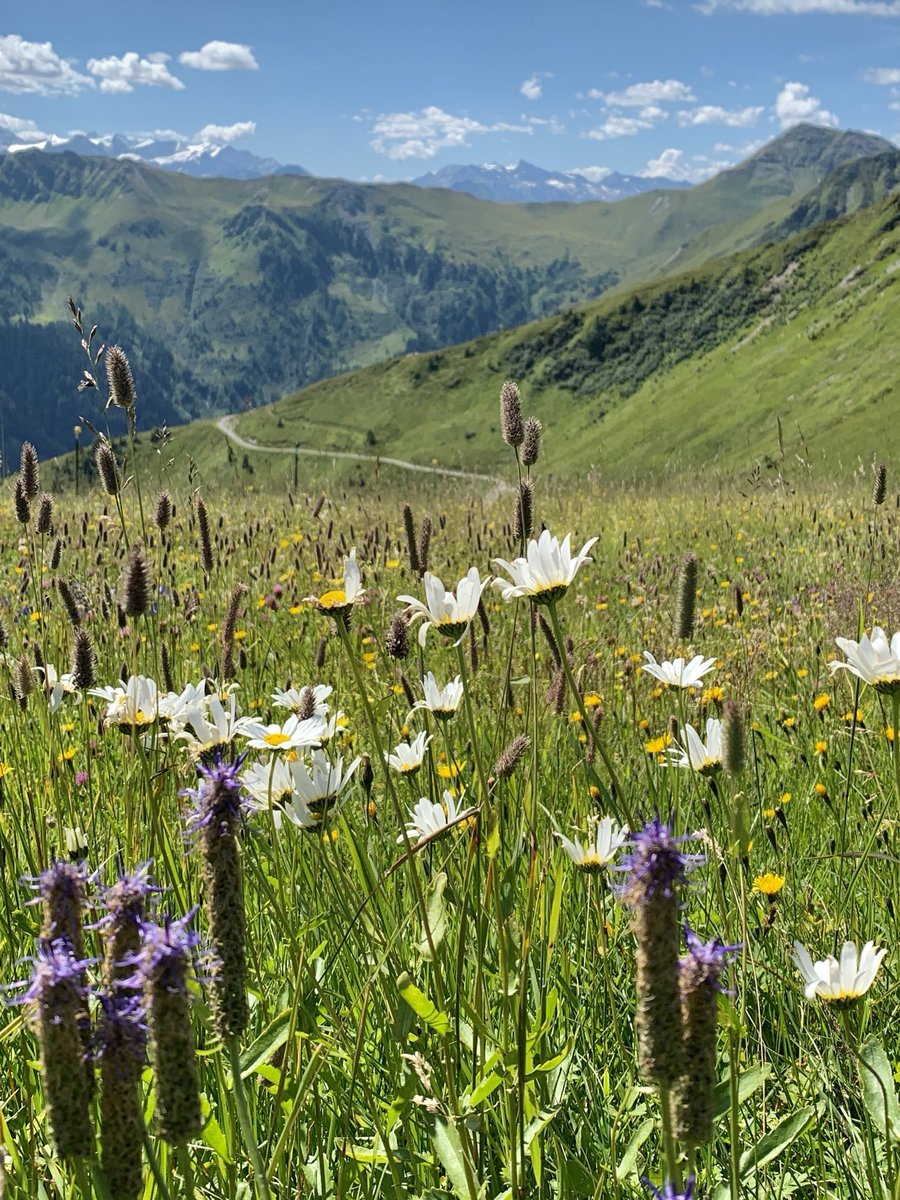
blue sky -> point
(392, 90)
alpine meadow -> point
(450, 624)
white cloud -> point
(617, 126)
(551, 124)
(422, 134)
(671, 164)
(884, 76)
(657, 91)
(532, 89)
(740, 151)
(223, 134)
(35, 68)
(119, 75)
(220, 56)
(771, 8)
(712, 114)
(21, 128)
(593, 174)
(794, 104)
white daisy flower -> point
(173, 707)
(338, 601)
(873, 659)
(131, 705)
(447, 612)
(680, 673)
(58, 686)
(211, 723)
(294, 734)
(297, 698)
(839, 981)
(440, 702)
(546, 571)
(609, 837)
(317, 790)
(704, 757)
(428, 820)
(409, 756)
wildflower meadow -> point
(537, 839)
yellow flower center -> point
(336, 598)
(276, 739)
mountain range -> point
(524, 182)
(216, 160)
(230, 293)
(202, 159)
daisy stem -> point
(615, 787)
(470, 718)
(415, 882)
(895, 743)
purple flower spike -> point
(166, 954)
(122, 1026)
(657, 865)
(218, 802)
(65, 880)
(57, 975)
(668, 1191)
(706, 961)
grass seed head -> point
(512, 428)
(733, 741)
(122, 391)
(107, 469)
(84, 661)
(28, 470)
(687, 599)
(136, 587)
(879, 487)
(20, 499)
(531, 442)
(44, 523)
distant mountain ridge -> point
(229, 293)
(201, 159)
(525, 183)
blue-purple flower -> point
(705, 962)
(669, 1191)
(656, 864)
(218, 801)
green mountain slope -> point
(227, 293)
(683, 374)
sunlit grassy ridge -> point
(373, 1060)
(683, 375)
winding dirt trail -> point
(498, 486)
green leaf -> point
(422, 1006)
(551, 1064)
(777, 1140)
(212, 1131)
(879, 1095)
(435, 914)
(532, 1140)
(749, 1082)
(448, 1147)
(629, 1158)
(368, 1155)
(263, 1047)
(481, 1092)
